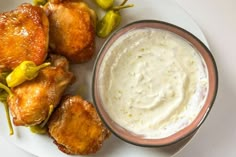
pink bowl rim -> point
(185, 132)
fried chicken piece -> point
(23, 36)
(72, 29)
(76, 127)
(31, 100)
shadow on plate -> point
(115, 145)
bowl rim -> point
(204, 112)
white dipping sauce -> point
(152, 82)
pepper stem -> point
(41, 129)
(123, 3)
(117, 8)
(3, 99)
(11, 131)
(2, 86)
(49, 114)
(43, 65)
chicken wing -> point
(72, 29)
(31, 100)
(76, 127)
(23, 36)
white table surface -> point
(217, 136)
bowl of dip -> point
(154, 83)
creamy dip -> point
(152, 82)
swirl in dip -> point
(152, 82)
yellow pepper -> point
(111, 20)
(105, 4)
(27, 70)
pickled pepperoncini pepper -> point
(27, 70)
(105, 4)
(111, 20)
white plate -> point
(165, 10)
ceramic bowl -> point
(129, 136)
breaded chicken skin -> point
(72, 29)
(23, 36)
(76, 127)
(31, 101)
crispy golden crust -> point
(31, 100)
(76, 127)
(23, 36)
(72, 30)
